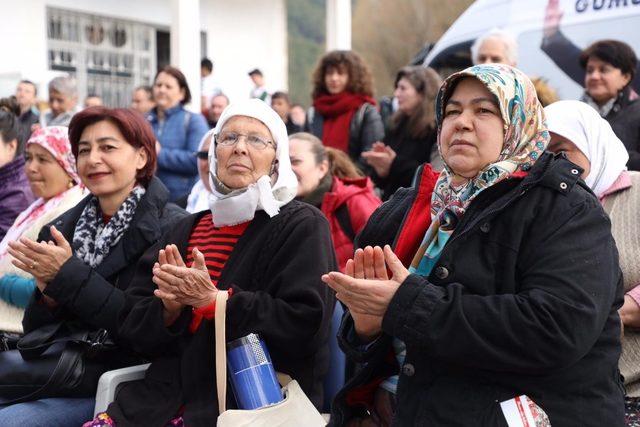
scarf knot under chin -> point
(337, 111)
(92, 238)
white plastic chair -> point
(109, 382)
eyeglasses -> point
(228, 139)
(202, 155)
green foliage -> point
(306, 27)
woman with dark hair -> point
(344, 114)
(610, 67)
(412, 132)
(328, 180)
(15, 195)
(502, 287)
(177, 130)
(85, 259)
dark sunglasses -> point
(202, 155)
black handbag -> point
(56, 360)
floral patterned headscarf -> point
(525, 139)
(55, 140)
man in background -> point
(282, 105)
(260, 90)
(218, 104)
(93, 100)
(26, 95)
(142, 99)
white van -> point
(583, 22)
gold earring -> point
(70, 185)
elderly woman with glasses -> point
(254, 240)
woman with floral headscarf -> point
(51, 170)
(505, 297)
(268, 250)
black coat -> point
(523, 300)
(410, 154)
(365, 128)
(95, 296)
(274, 271)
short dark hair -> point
(619, 54)
(281, 95)
(146, 88)
(9, 130)
(206, 63)
(29, 82)
(93, 95)
(182, 81)
(255, 71)
(135, 129)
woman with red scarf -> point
(344, 113)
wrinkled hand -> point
(380, 158)
(185, 285)
(552, 18)
(630, 312)
(42, 260)
(169, 255)
(371, 294)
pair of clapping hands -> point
(179, 285)
(380, 158)
(366, 288)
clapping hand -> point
(366, 288)
(179, 285)
(42, 260)
(380, 158)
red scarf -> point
(337, 112)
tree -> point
(388, 34)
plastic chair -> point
(109, 381)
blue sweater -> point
(16, 290)
(179, 135)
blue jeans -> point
(54, 412)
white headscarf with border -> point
(238, 206)
(581, 124)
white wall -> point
(242, 34)
(246, 34)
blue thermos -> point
(253, 379)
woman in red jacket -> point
(328, 180)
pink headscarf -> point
(55, 139)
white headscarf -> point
(582, 125)
(198, 199)
(240, 206)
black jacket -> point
(365, 128)
(523, 300)
(96, 296)
(274, 271)
(410, 154)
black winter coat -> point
(410, 154)
(365, 128)
(523, 300)
(95, 296)
(274, 271)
